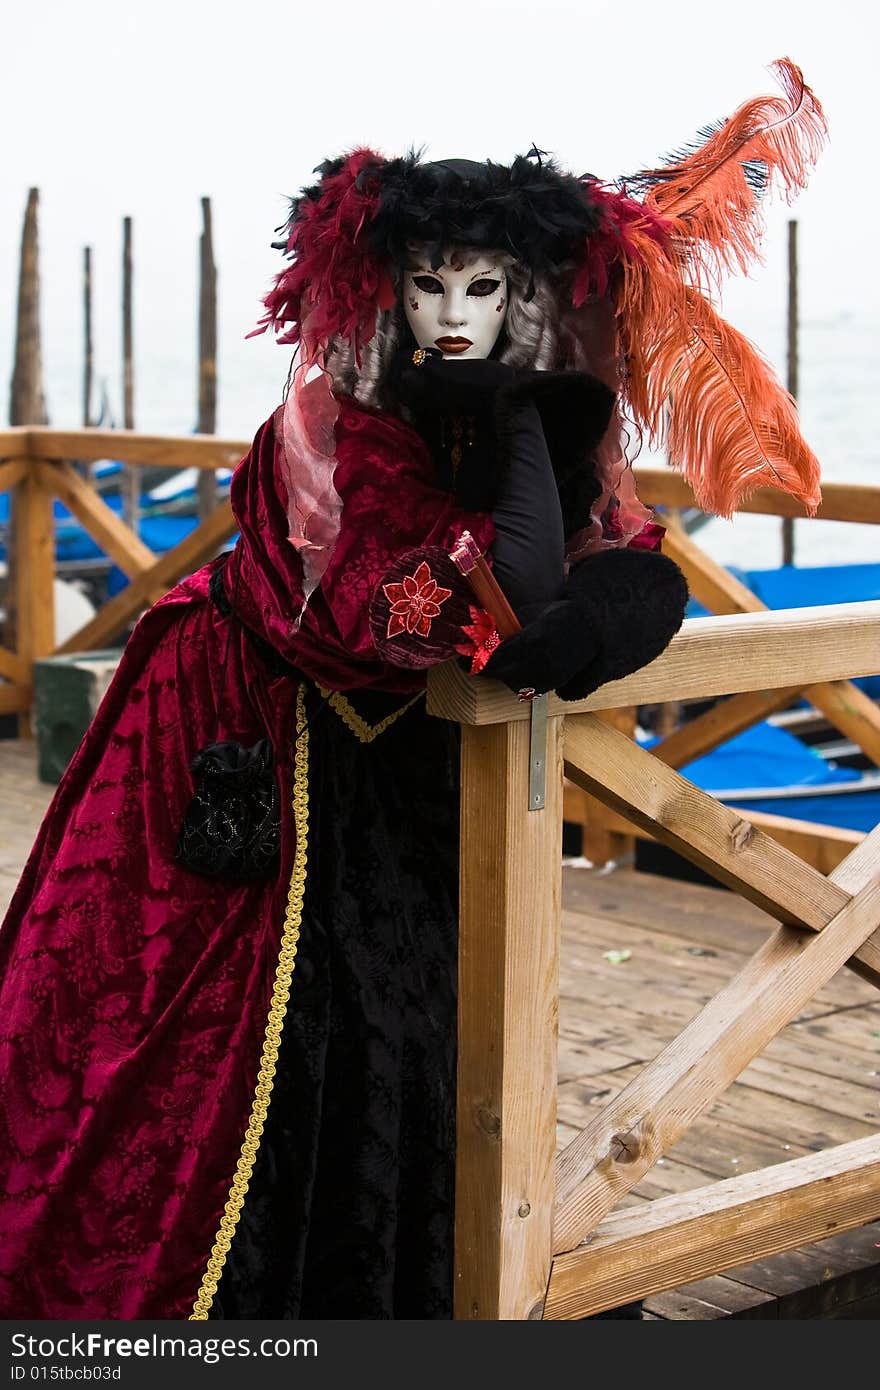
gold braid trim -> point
(277, 1010)
(353, 721)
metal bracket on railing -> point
(538, 753)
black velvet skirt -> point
(350, 1211)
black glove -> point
(575, 407)
(548, 653)
(635, 600)
(492, 414)
(488, 396)
(620, 610)
(446, 385)
(452, 405)
(530, 541)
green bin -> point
(67, 692)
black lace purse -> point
(232, 827)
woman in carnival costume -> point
(227, 1050)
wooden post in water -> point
(27, 400)
(788, 522)
(131, 478)
(87, 332)
(207, 418)
(87, 469)
(30, 608)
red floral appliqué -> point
(483, 639)
(415, 603)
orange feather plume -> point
(727, 421)
(692, 380)
(712, 195)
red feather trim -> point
(336, 283)
(625, 223)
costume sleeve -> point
(399, 606)
(391, 509)
(422, 610)
(618, 608)
(530, 542)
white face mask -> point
(459, 308)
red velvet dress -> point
(135, 994)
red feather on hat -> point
(336, 282)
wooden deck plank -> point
(593, 987)
(777, 1078)
(834, 1058)
(855, 1027)
(759, 1116)
(686, 962)
(682, 913)
(715, 1297)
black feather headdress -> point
(531, 208)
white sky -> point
(138, 108)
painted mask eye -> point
(428, 283)
(484, 286)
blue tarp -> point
(72, 542)
(805, 586)
(859, 811)
(765, 756)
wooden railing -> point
(34, 465)
(536, 1236)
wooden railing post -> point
(32, 573)
(507, 1029)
